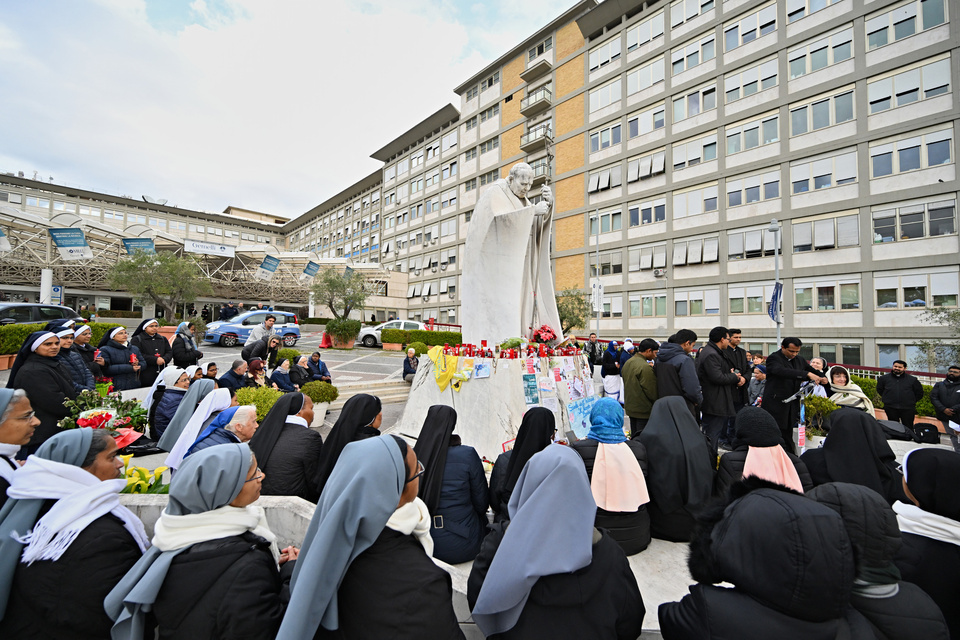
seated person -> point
(847, 393)
(256, 375)
(318, 370)
(536, 431)
(521, 587)
(234, 378)
(359, 419)
(232, 425)
(410, 364)
(300, 373)
(281, 376)
(173, 394)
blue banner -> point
(267, 268)
(311, 269)
(132, 245)
(71, 243)
(774, 310)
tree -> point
(574, 308)
(341, 291)
(939, 353)
(162, 278)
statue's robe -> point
(505, 240)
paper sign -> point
(579, 413)
(953, 425)
(557, 374)
(568, 364)
(468, 363)
(532, 366)
(530, 393)
(588, 387)
(546, 385)
(552, 403)
(578, 387)
(481, 370)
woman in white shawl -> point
(65, 540)
(213, 403)
(847, 393)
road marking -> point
(345, 378)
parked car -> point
(236, 330)
(370, 336)
(33, 313)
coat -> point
(78, 370)
(86, 352)
(318, 370)
(117, 365)
(594, 352)
(784, 378)
(630, 530)
(738, 357)
(409, 367)
(498, 500)
(231, 380)
(718, 383)
(259, 350)
(934, 566)
(600, 601)
(413, 597)
(294, 464)
(902, 392)
(258, 333)
(63, 600)
(681, 377)
(639, 387)
(183, 354)
(731, 470)
(462, 510)
(945, 395)
(755, 389)
(166, 408)
(299, 375)
(609, 362)
(152, 347)
(220, 435)
(229, 588)
(47, 384)
(282, 379)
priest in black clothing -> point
(786, 371)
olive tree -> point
(163, 278)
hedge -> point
(262, 397)
(434, 338)
(119, 314)
(869, 387)
(12, 336)
(394, 336)
(418, 347)
(289, 354)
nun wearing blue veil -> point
(365, 570)
(213, 569)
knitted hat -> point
(756, 428)
(762, 368)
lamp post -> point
(774, 228)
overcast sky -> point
(270, 105)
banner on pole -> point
(267, 268)
(774, 310)
(208, 248)
(71, 243)
(596, 296)
(311, 269)
(132, 245)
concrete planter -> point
(168, 332)
(6, 361)
(392, 346)
(319, 411)
(348, 344)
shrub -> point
(395, 336)
(419, 347)
(289, 354)
(315, 320)
(869, 388)
(320, 391)
(12, 336)
(261, 397)
(816, 411)
(434, 338)
(109, 313)
(345, 330)
(925, 405)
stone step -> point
(387, 392)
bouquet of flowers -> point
(95, 418)
(544, 335)
(104, 386)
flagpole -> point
(775, 228)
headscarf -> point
(216, 400)
(183, 331)
(82, 328)
(266, 436)
(551, 508)
(933, 477)
(536, 432)
(855, 450)
(143, 325)
(205, 366)
(617, 481)
(54, 326)
(766, 459)
(850, 394)
(431, 450)
(680, 466)
(198, 510)
(29, 345)
(108, 336)
(360, 496)
(222, 420)
(191, 371)
(7, 450)
(188, 405)
(612, 348)
(35, 483)
(167, 378)
(358, 412)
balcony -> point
(536, 69)
(537, 102)
(535, 139)
(541, 172)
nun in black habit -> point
(535, 433)
(359, 419)
(288, 450)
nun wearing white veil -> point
(188, 405)
(215, 402)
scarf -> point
(184, 334)
(617, 483)
(173, 533)
(216, 400)
(913, 519)
(81, 498)
(8, 451)
(413, 518)
(773, 464)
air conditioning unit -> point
(426, 298)
(443, 267)
(659, 272)
(451, 295)
(416, 272)
(433, 241)
(433, 269)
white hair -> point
(241, 417)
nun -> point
(615, 467)
(289, 450)
(73, 361)
(551, 573)
(359, 419)
(453, 486)
(214, 570)
(365, 570)
(188, 405)
(17, 423)
(81, 344)
(47, 382)
(536, 432)
(154, 348)
(122, 362)
(185, 351)
(930, 524)
(680, 469)
(211, 405)
(210, 370)
(172, 387)
(281, 376)
(65, 539)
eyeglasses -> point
(419, 473)
(257, 476)
(27, 416)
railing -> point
(534, 134)
(540, 94)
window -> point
(431, 152)
(749, 299)
(64, 206)
(449, 171)
(750, 81)
(692, 54)
(651, 305)
(750, 135)
(642, 78)
(470, 123)
(416, 184)
(689, 153)
(904, 21)
(540, 49)
(906, 86)
(605, 54)
(797, 9)
(43, 203)
(490, 81)
(749, 28)
(648, 257)
(432, 179)
(825, 296)
(647, 213)
(448, 199)
(611, 263)
(821, 172)
(489, 145)
(470, 184)
(828, 233)
(693, 202)
(913, 221)
(448, 228)
(753, 188)
(821, 53)
(85, 210)
(432, 206)
(470, 154)
(403, 166)
(609, 221)
(694, 251)
(753, 243)
(416, 211)
(415, 161)
(473, 92)
(911, 291)
(822, 112)
(449, 141)
(489, 177)
(613, 306)
(695, 102)
(646, 121)
(448, 256)
(646, 166)
(491, 113)
(604, 179)
(910, 152)
(604, 138)
(696, 303)
(649, 29)
(686, 10)
(605, 95)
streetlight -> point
(774, 228)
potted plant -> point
(343, 332)
(392, 339)
(263, 398)
(322, 394)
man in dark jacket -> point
(743, 366)
(233, 379)
(719, 384)
(640, 386)
(676, 372)
(229, 312)
(900, 393)
(318, 370)
(786, 371)
(154, 348)
(946, 400)
(594, 351)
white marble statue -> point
(507, 283)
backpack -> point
(895, 431)
(927, 433)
